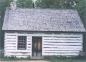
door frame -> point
(41, 44)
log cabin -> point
(42, 32)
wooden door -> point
(36, 46)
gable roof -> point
(42, 20)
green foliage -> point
(67, 59)
(25, 3)
(13, 58)
(47, 3)
(56, 3)
(81, 7)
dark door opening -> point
(36, 46)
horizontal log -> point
(45, 50)
(10, 37)
(62, 44)
(53, 51)
(63, 48)
(60, 54)
(64, 39)
(17, 53)
(10, 40)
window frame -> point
(21, 40)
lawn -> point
(52, 59)
(13, 59)
(48, 60)
(68, 60)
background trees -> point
(56, 3)
(25, 3)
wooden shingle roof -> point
(42, 20)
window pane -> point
(22, 42)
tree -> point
(56, 3)
(25, 3)
(81, 7)
(48, 3)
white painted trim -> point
(31, 46)
(42, 46)
(82, 42)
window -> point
(22, 41)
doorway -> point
(37, 46)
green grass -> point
(51, 60)
(68, 59)
(12, 58)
